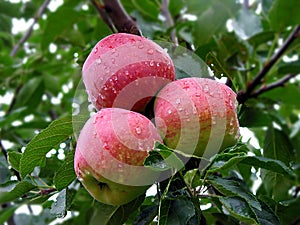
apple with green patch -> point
(197, 116)
(110, 152)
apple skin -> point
(197, 116)
(110, 152)
(126, 71)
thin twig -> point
(29, 31)
(243, 96)
(169, 20)
(279, 83)
(116, 15)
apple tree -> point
(250, 48)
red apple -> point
(126, 71)
(197, 116)
(110, 152)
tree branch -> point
(279, 83)
(243, 96)
(29, 31)
(169, 20)
(115, 16)
(101, 10)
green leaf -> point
(246, 24)
(6, 213)
(292, 67)
(65, 174)
(225, 161)
(289, 95)
(217, 12)
(148, 8)
(176, 212)
(192, 178)
(114, 215)
(284, 13)
(273, 165)
(266, 216)
(239, 209)
(14, 191)
(286, 211)
(161, 158)
(234, 187)
(146, 216)
(254, 117)
(14, 159)
(30, 93)
(261, 38)
(4, 171)
(277, 146)
(63, 202)
(36, 150)
(59, 21)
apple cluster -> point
(122, 74)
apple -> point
(110, 152)
(126, 71)
(197, 116)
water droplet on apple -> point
(150, 51)
(138, 130)
(178, 101)
(98, 61)
(95, 50)
(126, 73)
(158, 64)
(151, 63)
(194, 110)
(169, 111)
(213, 120)
(105, 146)
(206, 89)
(113, 61)
(141, 46)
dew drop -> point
(105, 146)
(126, 73)
(158, 64)
(113, 61)
(150, 51)
(180, 109)
(178, 101)
(213, 120)
(169, 111)
(206, 89)
(141, 46)
(151, 63)
(95, 50)
(98, 61)
(138, 130)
